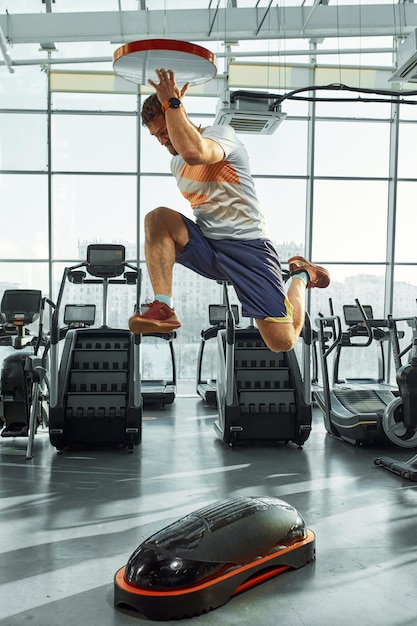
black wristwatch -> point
(172, 103)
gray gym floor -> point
(70, 521)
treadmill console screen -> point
(105, 260)
(217, 313)
(353, 315)
(21, 305)
(80, 314)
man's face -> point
(158, 129)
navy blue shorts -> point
(252, 266)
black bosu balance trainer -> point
(203, 559)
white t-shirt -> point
(222, 195)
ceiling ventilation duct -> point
(251, 113)
(406, 60)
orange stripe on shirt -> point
(195, 198)
(221, 172)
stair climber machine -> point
(261, 395)
(353, 408)
(400, 416)
(24, 385)
(206, 387)
(95, 390)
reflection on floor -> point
(70, 521)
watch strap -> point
(167, 105)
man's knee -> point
(159, 222)
(163, 223)
(279, 344)
(155, 216)
(278, 337)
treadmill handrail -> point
(230, 348)
(367, 327)
(394, 337)
(333, 322)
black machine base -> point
(96, 403)
(203, 559)
(16, 429)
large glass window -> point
(351, 149)
(280, 154)
(26, 275)
(349, 282)
(92, 208)
(17, 132)
(153, 156)
(405, 286)
(94, 190)
(405, 243)
(24, 212)
(95, 143)
(350, 220)
(407, 144)
(94, 102)
(283, 202)
(26, 88)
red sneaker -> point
(319, 277)
(159, 318)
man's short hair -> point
(151, 109)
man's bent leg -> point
(282, 336)
(165, 234)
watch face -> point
(174, 103)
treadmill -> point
(353, 408)
(161, 391)
(206, 387)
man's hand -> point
(167, 87)
(185, 138)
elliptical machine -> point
(24, 386)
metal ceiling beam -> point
(4, 49)
(48, 5)
(232, 24)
